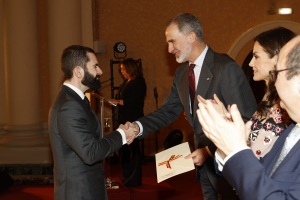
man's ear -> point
(78, 72)
(192, 37)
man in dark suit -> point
(209, 73)
(77, 145)
(277, 175)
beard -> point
(90, 81)
(184, 54)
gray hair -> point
(187, 23)
(293, 61)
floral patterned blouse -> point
(265, 130)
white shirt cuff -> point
(141, 128)
(221, 161)
(123, 135)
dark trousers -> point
(208, 190)
(131, 161)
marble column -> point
(3, 115)
(64, 29)
(24, 143)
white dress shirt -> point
(197, 70)
(80, 93)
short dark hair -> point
(187, 23)
(293, 61)
(72, 56)
(131, 67)
(273, 40)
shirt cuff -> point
(123, 135)
(221, 161)
(140, 126)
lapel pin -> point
(207, 79)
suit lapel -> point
(186, 92)
(205, 78)
(93, 122)
(77, 98)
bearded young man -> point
(75, 133)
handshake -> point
(131, 130)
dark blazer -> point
(219, 75)
(250, 176)
(78, 148)
(132, 94)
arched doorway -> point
(251, 33)
(241, 51)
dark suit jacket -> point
(78, 148)
(219, 75)
(132, 94)
(250, 177)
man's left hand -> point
(199, 156)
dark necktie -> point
(192, 85)
(87, 102)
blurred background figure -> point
(131, 107)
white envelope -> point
(171, 162)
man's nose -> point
(99, 71)
(170, 48)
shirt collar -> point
(199, 61)
(75, 89)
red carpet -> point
(152, 190)
(181, 187)
(28, 192)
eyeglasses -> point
(274, 73)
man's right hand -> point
(131, 130)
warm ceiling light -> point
(285, 11)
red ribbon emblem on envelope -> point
(168, 161)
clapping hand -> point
(227, 135)
(217, 104)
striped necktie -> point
(290, 141)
